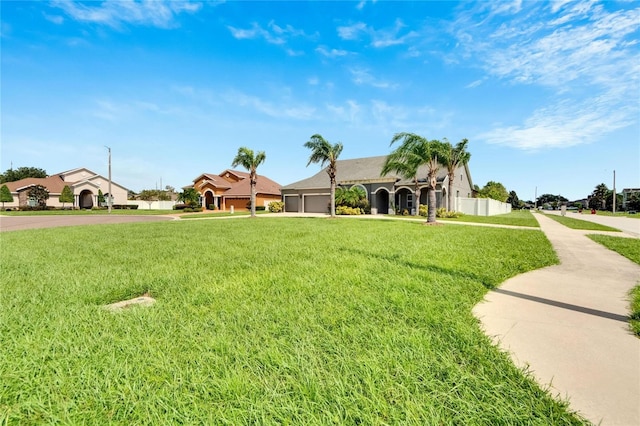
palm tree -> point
(416, 150)
(455, 156)
(323, 152)
(250, 161)
(406, 165)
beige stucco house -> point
(385, 193)
(84, 184)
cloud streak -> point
(579, 49)
(114, 14)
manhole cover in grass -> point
(144, 300)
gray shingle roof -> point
(360, 170)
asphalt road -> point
(16, 223)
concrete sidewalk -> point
(568, 324)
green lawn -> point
(87, 212)
(271, 321)
(573, 223)
(221, 214)
(515, 218)
(629, 248)
(608, 213)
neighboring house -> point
(84, 184)
(385, 193)
(232, 188)
(627, 193)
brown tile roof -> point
(242, 188)
(54, 184)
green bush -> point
(346, 210)
(443, 213)
(423, 210)
(260, 208)
(276, 206)
(212, 206)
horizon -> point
(546, 93)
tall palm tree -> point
(323, 152)
(406, 165)
(454, 157)
(414, 149)
(250, 161)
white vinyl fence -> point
(152, 205)
(481, 206)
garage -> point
(316, 203)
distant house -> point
(84, 184)
(232, 188)
(627, 193)
(385, 193)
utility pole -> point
(614, 192)
(110, 196)
(535, 202)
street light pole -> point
(614, 192)
(110, 196)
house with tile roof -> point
(84, 184)
(386, 194)
(232, 188)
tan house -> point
(232, 188)
(84, 184)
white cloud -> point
(56, 19)
(586, 56)
(331, 53)
(352, 32)
(362, 76)
(379, 38)
(274, 34)
(115, 13)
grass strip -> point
(271, 321)
(581, 224)
(119, 212)
(515, 218)
(629, 248)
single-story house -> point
(84, 184)
(386, 194)
(232, 188)
(626, 195)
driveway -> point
(16, 223)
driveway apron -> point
(568, 325)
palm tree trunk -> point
(253, 199)
(450, 206)
(333, 198)
(431, 217)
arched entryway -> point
(209, 200)
(382, 201)
(85, 199)
(404, 200)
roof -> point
(361, 170)
(241, 188)
(54, 184)
(264, 185)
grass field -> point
(86, 212)
(573, 223)
(515, 218)
(629, 248)
(270, 321)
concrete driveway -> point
(16, 223)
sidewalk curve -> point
(568, 324)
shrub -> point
(212, 206)
(405, 212)
(443, 213)
(180, 206)
(276, 206)
(346, 210)
(260, 208)
(423, 210)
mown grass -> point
(629, 248)
(515, 218)
(271, 321)
(221, 214)
(618, 213)
(580, 224)
(86, 212)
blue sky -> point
(547, 93)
